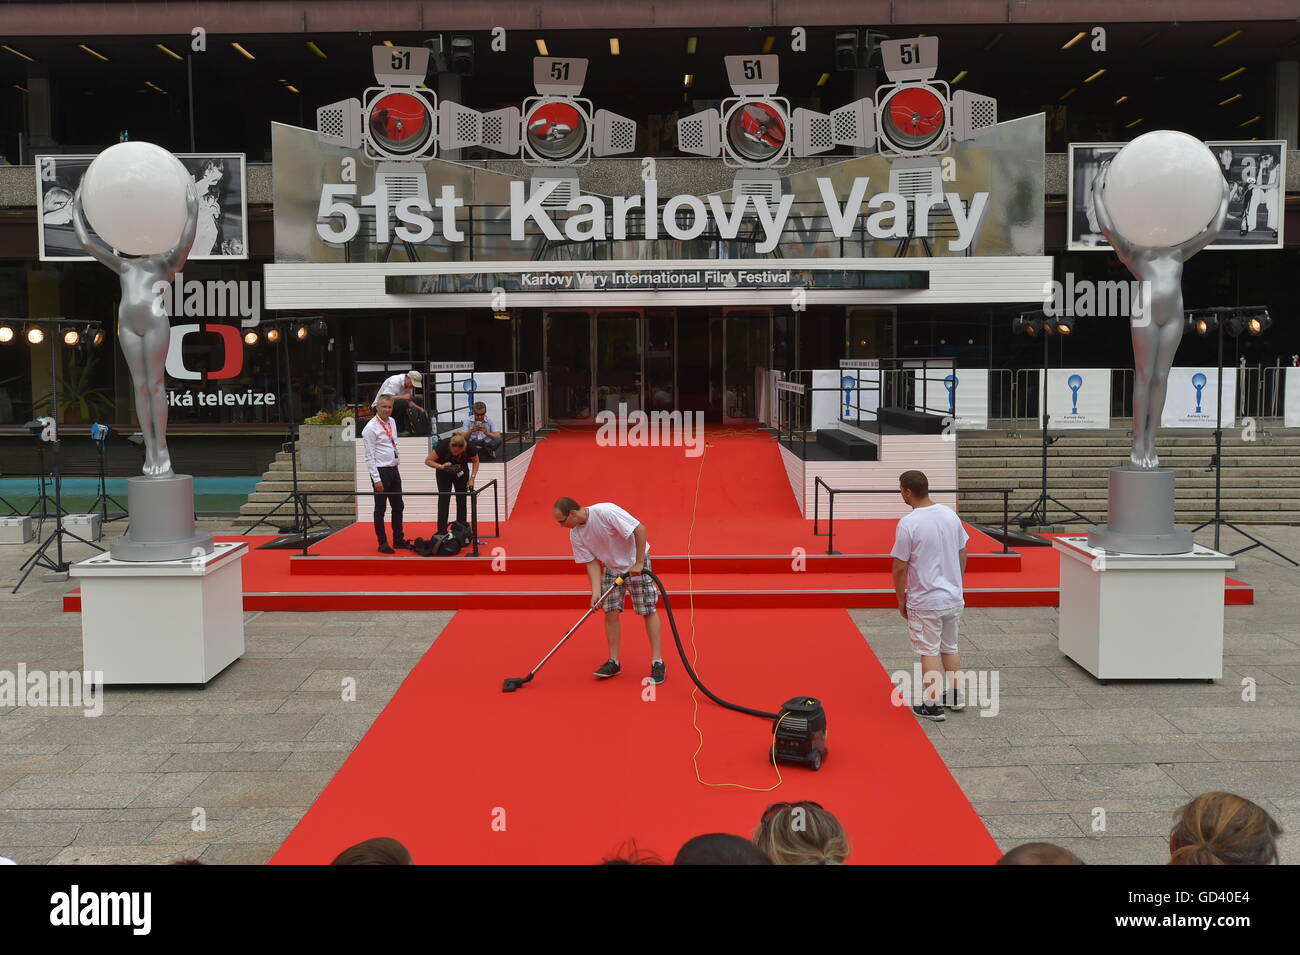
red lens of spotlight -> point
(556, 130)
(400, 123)
(756, 131)
(914, 117)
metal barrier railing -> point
(819, 483)
(471, 493)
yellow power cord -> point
(695, 651)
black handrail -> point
(819, 483)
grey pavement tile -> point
(1291, 674)
(1243, 718)
(35, 834)
(260, 674)
(1109, 720)
(1144, 753)
(1032, 827)
(342, 726)
(1098, 780)
(227, 826)
(364, 682)
(270, 726)
(1285, 751)
(75, 790)
(360, 645)
(30, 855)
(327, 761)
(277, 789)
(199, 707)
(77, 816)
(999, 782)
(322, 703)
(239, 854)
(1006, 725)
(114, 833)
(1124, 824)
(222, 762)
(997, 752)
(1100, 740)
(117, 729)
(54, 763)
(1117, 850)
(121, 855)
(123, 762)
(1256, 642)
(1249, 779)
(169, 790)
(304, 746)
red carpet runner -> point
(574, 767)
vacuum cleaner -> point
(799, 729)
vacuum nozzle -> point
(513, 683)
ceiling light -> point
(20, 88)
(768, 44)
(958, 78)
(388, 43)
(541, 47)
(1253, 119)
(291, 88)
(993, 41)
(824, 79)
(93, 53)
(1135, 122)
(691, 43)
(613, 46)
(1068, 93)
(1075, 39)
(688, 80)
(154, 86)
(1122, 99)
(1231, 36)
(172, 53)
(1095, 75)
(317, 50)
(1237, 72)
(242, 52)
(1230, 99)
(17, 53)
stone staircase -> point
(276, 484)
(1261, 478)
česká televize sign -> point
(652, 279)
(885, 215)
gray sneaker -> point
(954, 700)
(657, 672)
(608, 669)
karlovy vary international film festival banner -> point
(960, 392)
(1291, 410)
(1192, 398)
(1076, 397)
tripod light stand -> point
(99, 433)
(1254, 321)
(1039, 325)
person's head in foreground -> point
(720, 848)
(914, 486)
(458, 443)
(1221, 828)
(801, 833)
(381, 850)
(1040, 853)
(384, 407)
(631, 854)
(568, 512)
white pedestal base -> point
(177, 621)
(1142, 617)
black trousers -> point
(392, 481)
(446, 483)
(410, 419)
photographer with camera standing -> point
(457, 465)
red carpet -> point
(576, 766)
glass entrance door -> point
(747, 347)
(619, 354)
(568, 366)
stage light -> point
(1025, 325)
(1259, 324)
(1063, 325)
(71, 337)
(1248, 321)
(35, 335)
(251, 338)
(1203, 324)
(6, 334)
(301, 333)
(272, 335)
(320, 327)
(501, 316)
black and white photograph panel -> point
(1256, 176)
(219, 180)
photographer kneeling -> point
(457, 466)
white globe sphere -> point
(1163, 188)
(134, 198)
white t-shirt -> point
(396, 386)
(929, 540)
(606, 537)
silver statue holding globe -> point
(1161, 200)
(144, 212)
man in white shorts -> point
(611, 543)
(929, 563)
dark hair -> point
(479, 404)
(1219, 828)
(1040, 853)
(916, 482)
(186, 861)
(629, 854)
(382, 850)
(720, 848)
(566, 506)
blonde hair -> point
(813, 837)
(1219, 828)
(457, 440)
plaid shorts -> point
(645, 595)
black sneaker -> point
(402, 544)
(954, 700)
(385, 549)
(608, 669)
(657, 672)
(930, 711)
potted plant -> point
(80, 401)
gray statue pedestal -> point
(176, 621)
(1141, 515)
(1142, 616)
(161, 511)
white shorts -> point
(934, 631)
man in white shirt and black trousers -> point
(401, 388)
(929, 563)
(612, 543)
(379, 442)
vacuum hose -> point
(672, 622)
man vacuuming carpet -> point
(612, 543)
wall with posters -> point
(839, 393)
(964, 392)
(1076, 397)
